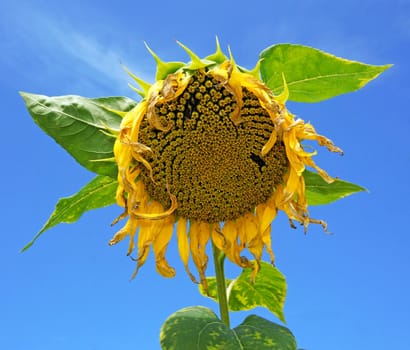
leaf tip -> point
(281, 317)
(26, 247)
(387, 66)
(24, 95)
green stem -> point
(219, 259)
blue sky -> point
(348, 290)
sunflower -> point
(213, 153)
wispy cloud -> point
(35, 37)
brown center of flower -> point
(212, 166)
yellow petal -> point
(128, 230)
(234, 85)
(133, 119)
(268, 145)
(325, 176)
(256, 267)
(218, 238)
(182, 238)
(309, 133)
(141, 261)
(267, 241)
(183, 245)
(256, 247)
(247, 228)
(292, 148)
(148, 232)
(292, 183)
(157, 216)
(160, 244)
(199, 234)
(232, 249)
(266, 213)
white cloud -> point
(35, 38)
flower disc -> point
(211, 164)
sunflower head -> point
(212, 151)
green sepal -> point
(163, 68)
(98, 193)
(200, 329)
(313, 75)
(218, 56)
(142, 83)
(319, 192)
(255, 71)
(268, 290)
(196, 61)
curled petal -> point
(247, 229)
(218, 238)
(157, 216)
(267, 242)
(199, 234)
(325, 176)
(141, 260)
(268, 145)
(265, 214)
(183, 245)
(160, 246)
(128, 230)
(232, 249)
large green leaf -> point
(258, 333)
(98, 193)
(77, 124)
(268, 290)
(319, 192)
(198, 328)
(313, 75)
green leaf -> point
(198, 328)
(258, 333)
(319, 192)
(118, 103)
(268, 290)
(98, 193)
(77, 124)
(313, 75)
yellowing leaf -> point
(198, 328)
(268, 290)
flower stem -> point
(219, 259)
